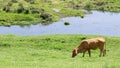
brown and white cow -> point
(90, 44)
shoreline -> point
(16, 13)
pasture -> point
(55, 51)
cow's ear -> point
(73, 50)
(76, 51)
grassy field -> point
(26, 12)
(54, 51)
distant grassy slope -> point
(54, 51)
(24, 12)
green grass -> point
(54, 51)
(8, 19)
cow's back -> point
(94, 43)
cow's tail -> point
(105, 50)
(105, 46)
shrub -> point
(30, 1)
(7, 7)
(88, 6)
(5, 44)
(14, 1)
(66, 23)
(20, 8)
(35, 10)
(26, 11)
(100, 3)
(46, 16)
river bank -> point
(25, 12)
(96, 23)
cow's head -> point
(74, 53)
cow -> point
(91, 44)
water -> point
(97, 23)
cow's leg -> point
(83, 53)
(101, 52)
(89, 53)
(104, 52)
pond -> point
(97, 23)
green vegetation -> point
(54, 51)
(8, 19)
(26, 12)
(66, 23)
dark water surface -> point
(97, 23)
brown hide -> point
(90, 44)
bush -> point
(46, 16)
(20, 8)
(66, 23)
(100, 3)
(14, 1)
(26, 11)
(36, 10)
(6, 9)
(5, 44)
(30, 1)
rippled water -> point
(97, 23)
